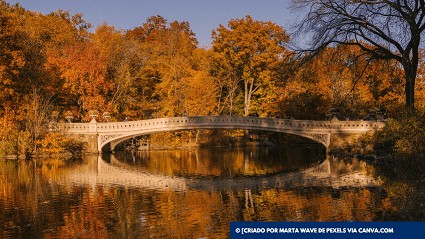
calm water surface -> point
(193, 193)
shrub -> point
(404, 135)
(58, 143)
(8, 135)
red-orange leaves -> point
(83, 72)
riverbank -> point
(63, 155)
(397, 150)
(388, 163)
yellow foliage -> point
(200, 94)
(56, 143)
(166, 139)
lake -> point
(194, 193)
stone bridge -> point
(331, 133)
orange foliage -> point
(84, 73)
(340, 77)
(247, 54)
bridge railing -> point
(217, 121)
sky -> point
(202, 15)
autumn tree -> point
(51, 34)
(420, 90)
(36, 112)
(339, 78)
(123, 61)
(31, 40)
(199, 89)
(247, 51)
(383, 29)
(27, 84)
(168, 50)
(227, 82)
(11, 55)
(21, 58)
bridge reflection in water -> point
(329, 173)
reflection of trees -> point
(224, 162)
(188, 215)
(309, 205)
(88, 220)
(167, 214)
(32, 203)
(404, 202)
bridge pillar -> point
(92, 138)
(349, 137)
(341, 140)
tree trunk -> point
(249, 90)
(409, 87)
(246, 99)
(197, 136)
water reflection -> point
(304, 172)
(223, 162)
(97, 198)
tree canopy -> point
(383, 29)
(56, 63)
(246, 53)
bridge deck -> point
(215, 121)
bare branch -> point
(385, 29)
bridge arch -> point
(317, 131)
(114, 141)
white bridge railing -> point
(217, 121)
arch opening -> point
(256, 134)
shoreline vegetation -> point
(397, 150)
